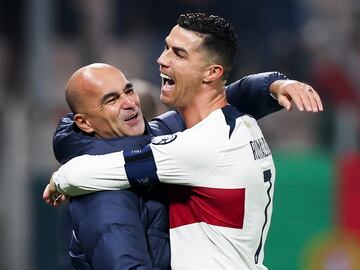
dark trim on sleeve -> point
(140, 167)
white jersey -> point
(222, 177)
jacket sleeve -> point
(167, 123)
(251, 94)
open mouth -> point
(131, 117)
(166, 80)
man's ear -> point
(213, 73)
(83, 123)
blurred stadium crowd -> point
(42, 42)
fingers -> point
(303, 95)
(318, 101)
(59, 200)
(310, 98)
(285, 102)
(46, 195)
(56, 200)
(302, 99)
(296, 96)
(53, 198)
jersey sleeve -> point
(168, 159)
(90, 173)
(251, 94)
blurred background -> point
(316, 219)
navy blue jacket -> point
(128, 229)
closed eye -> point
(112, 98)
(111, 101)
(180, 52)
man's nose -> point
(162, 60)
(127, 102)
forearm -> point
(88, 174)
(251, 94)
(120, 170)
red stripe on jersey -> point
(215, 206)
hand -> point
(52, 196)
(303, 95)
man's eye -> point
(111, 101)
(179, 55)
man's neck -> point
(201, 108)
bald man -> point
(113, 230)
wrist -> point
(52, 184)
(274, 88)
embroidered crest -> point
(165, 139)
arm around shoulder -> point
(251, 94)
(88, 173)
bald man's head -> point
(83, 82)
(103, 102)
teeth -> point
(162, 75)
(131, 117)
